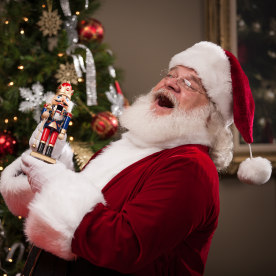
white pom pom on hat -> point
(255, 171)
(228, 87)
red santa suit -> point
(160, 216)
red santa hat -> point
(227, 86)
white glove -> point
(15, 188)
(35, 138)
(40, 173)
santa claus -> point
(148, 204)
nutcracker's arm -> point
(45, 111)
(67, 121)
(65, 125)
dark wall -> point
(245, 241)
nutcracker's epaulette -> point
(69, 115)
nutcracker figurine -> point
(56, 117)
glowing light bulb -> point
(11, 83)
(22, 31)
(6, 121)
(43, 6)
(60, 54)
(26, 19)
(20, 67)
(15, 118)
(10, 260)
(80, 80)
(19, 217)
(7, 22)
(71, 138)
(77, 13)
(1, 168)
(70, 123)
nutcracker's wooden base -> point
(43, 157)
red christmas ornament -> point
(8, 144)
(105, 124)
(90, 29)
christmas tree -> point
(45, 43)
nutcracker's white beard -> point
(166, 131)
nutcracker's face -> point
(61, 100)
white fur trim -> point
(130, 149)
(56, 212)
(213, 67)
(15, 189)
(114, 159)
(255, 171)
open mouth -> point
(164, 101)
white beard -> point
(165, 131)
(148, 134)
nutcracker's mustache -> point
(62, 102)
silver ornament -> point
(90, 70)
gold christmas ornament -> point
(49, 22)
(82, 152)
(66, 73)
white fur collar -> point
(126, 151)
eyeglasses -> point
(184, 83)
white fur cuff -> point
(56, 212)
(15, 189)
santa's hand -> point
(38, 172)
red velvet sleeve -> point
(175, 199)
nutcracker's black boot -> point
(49, 150)
(41, 147)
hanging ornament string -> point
(49, 5)
(90, 71)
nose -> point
(172, 84)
